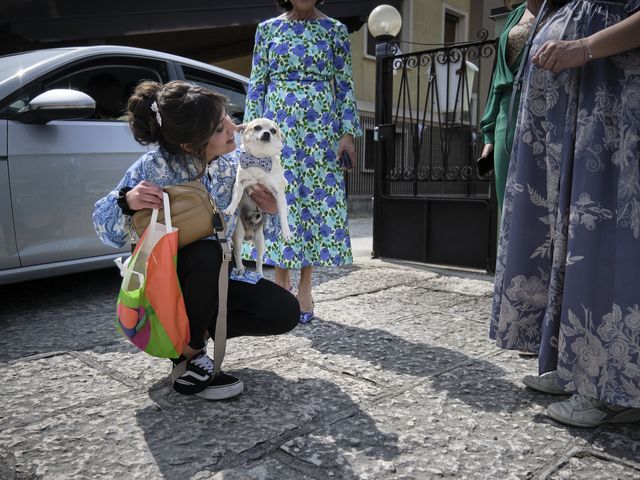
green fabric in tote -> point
(495, 118)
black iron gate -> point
(429, 204)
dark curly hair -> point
(286, 4)
(188, 114)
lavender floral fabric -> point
(567, 275)
(301, 78)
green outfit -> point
(494, 123)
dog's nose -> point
(266, 136)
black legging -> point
(260, 309)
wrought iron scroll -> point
(437, 120)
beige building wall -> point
(239, 65)
(423, 22)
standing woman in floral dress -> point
(301, 78)
(567, 275)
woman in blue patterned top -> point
(194, 133)
(301, 78)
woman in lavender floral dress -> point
(567, 275)
(301, 78)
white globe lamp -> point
(384, 22)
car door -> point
(59, 170)
(8, 251)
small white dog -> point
(259, 162)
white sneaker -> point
(547, 383)
(581, 411)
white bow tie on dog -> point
(259, 162)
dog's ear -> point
(241, 128)
(280, 135)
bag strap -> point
(220, 340)
(167, 211)
(167, 214)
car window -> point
(232, 89)
(109, 83)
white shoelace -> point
(204, 362)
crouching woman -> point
(193, 133)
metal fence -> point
(436, 117)
(359, 183)
(437, 122)
(430, 205)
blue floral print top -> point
(163, 169)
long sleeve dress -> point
(301, 78)
(494, 123)
(567, 277)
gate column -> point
(384, 23)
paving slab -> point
(471, 422)
(395, 379)
(589, 466)
(620, 441)
(262, 470)
(59, 383)
(172, 435)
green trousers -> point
(503, 141)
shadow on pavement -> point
(187, 435)
(477, 382)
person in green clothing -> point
(496, 130)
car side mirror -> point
(57, 104)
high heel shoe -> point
(306, 317)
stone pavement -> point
(395, 379)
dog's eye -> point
(273, 130)
(257, 128)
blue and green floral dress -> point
(301, 78)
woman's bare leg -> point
(283, 278)
(305, 298)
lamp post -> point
(384, 24)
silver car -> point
(65, 143)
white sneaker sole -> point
(532, 382)
(624, 417)
(222, 393)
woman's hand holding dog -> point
(264, 198)
(346, 145)
(144, 195)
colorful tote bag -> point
(151, 311)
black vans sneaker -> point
(195, 377)
(222, 386)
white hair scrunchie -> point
(154, 107)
